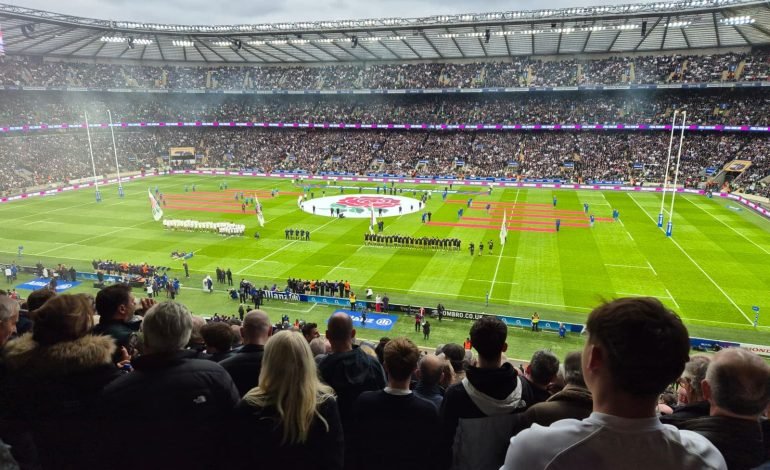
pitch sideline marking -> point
(695, 263)
(673, 299)
(502, 248)
(731, 228)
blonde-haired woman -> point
(291, 419)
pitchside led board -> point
(374, 321)
(2, 44)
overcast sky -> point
(262, 11)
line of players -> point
(431, 243)
(298, 234)
(490, 244)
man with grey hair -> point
(9, 316)
(573, 401)
(692, 404)
(245, 365)
(541, 371)
(737, 386)
(171, 405)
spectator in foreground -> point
(455, 354)
(9, 317)
(310, 331)
(56, 374)
(246, 364)
(291, 419)
(430, 374)
(737, 386)
(379, 440)
(116, 306)
(634, 350)
(692, 404)
(350, 371)
(219, 339)
(539, 373)
(171, 406)
(35, 300)
(477, 413)
(573, 401)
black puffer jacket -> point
(739, 440)
(169, 412)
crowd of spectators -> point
(515, 72)
(294, 398)
(734, 107)
(569, 156)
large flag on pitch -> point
(372, 220)
(157, 212)
(258, 207)
(503, 231)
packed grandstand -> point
(154, 397)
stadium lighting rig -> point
(130, 40)
(737, 20)
(182, 43)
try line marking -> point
(693, 262)
(731, 228)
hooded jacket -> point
(54, 390)
(350, 374)
(477, 415)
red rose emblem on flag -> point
(369, 201)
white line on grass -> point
(653, 269)
(673, 299)
(280, 249)
(731, 228)
(644, 295)
(95, 236)
(626, 266)
(502, 248)
(695, 263)
(499, 282)
(444, 294)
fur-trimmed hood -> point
(79, 355)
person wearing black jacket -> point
(291, 420)
(379, 440)
(246, 364)
(736, 387)
(116, 306)
(166, 411)
(694, 405)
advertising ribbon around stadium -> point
(374, 321)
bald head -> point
(256, 327)
(340, 332)
(431, 368)
(737, 384)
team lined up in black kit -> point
(292, 234)
(433, 243)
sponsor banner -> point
(704, 344)
(280, 295)
(757, 349)
(40, 283)
(374, 321)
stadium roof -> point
(651, 27)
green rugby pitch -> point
(712, 271)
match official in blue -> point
(558, 224)
(592, 219)
(585, 207)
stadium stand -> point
(73, 394)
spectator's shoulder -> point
(696, 444)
